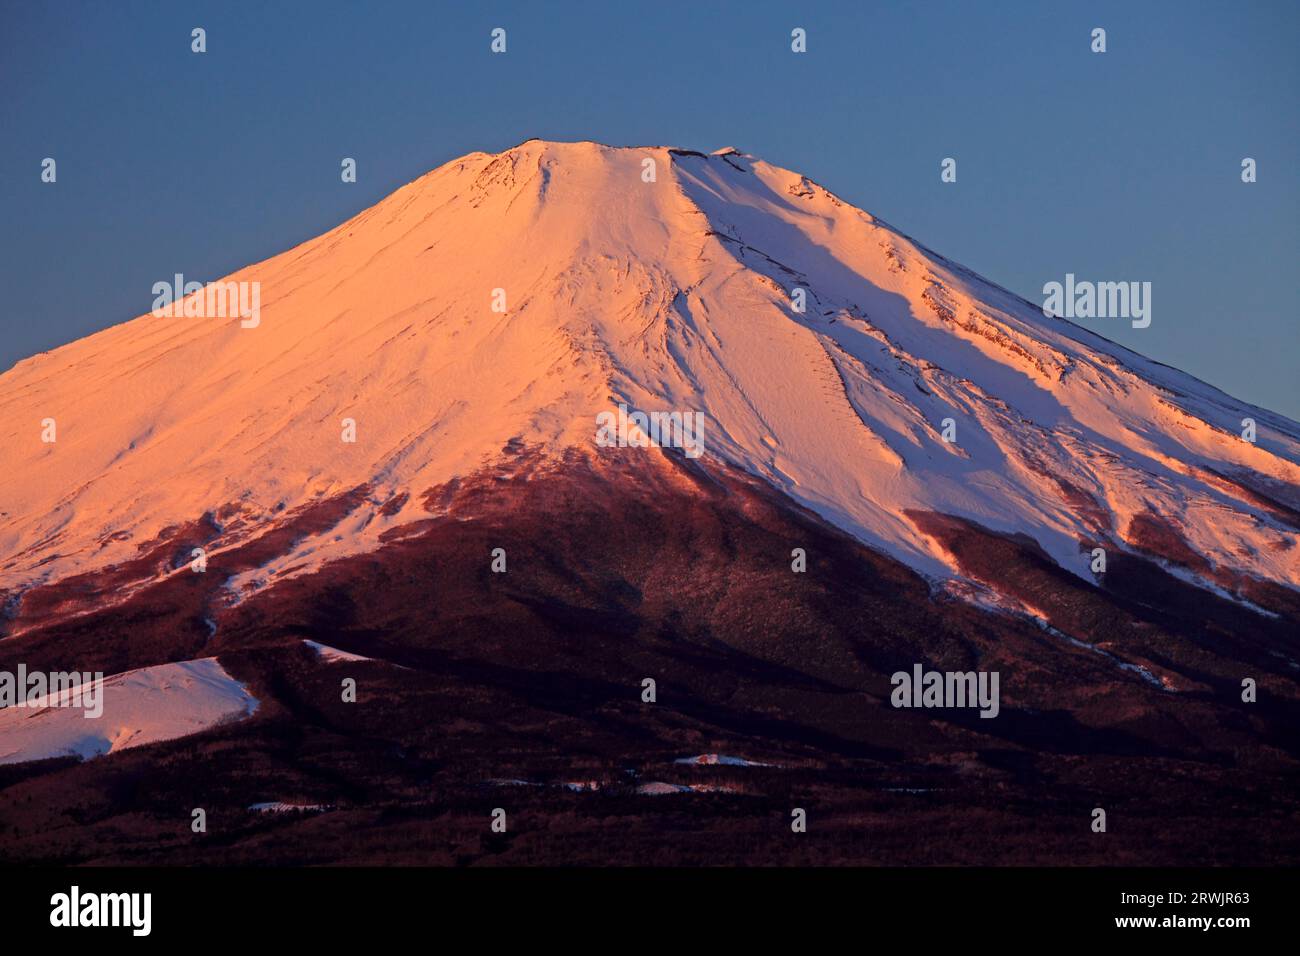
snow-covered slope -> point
(671, 295)
(138, 707)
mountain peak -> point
(512, 297)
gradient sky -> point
(1115, 166)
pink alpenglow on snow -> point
(513, 297)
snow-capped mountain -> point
(431, 585)
(514, 297)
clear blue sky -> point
(1115, 166)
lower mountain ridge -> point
(524, 690)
